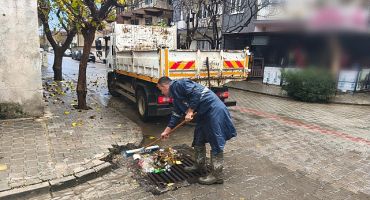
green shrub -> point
(309, 85)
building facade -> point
(146, 12)
(20, 67)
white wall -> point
(20, 69)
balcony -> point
(148, 7)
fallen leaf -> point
(3, 167)
(170, 184)
(66, 112)
(151, 137)
(178, 162)
(74, 124)
(92, 117)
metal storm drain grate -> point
(176, 175)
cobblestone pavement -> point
(284, 150)
(329, 143)
(64, 142)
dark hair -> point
(164, 80)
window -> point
(203, 45)
(120, 10)
(147, 2)
(148, 21)
(203, 11)
(181, 15)
(236, 6)
(135, 21)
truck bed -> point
(224, 66)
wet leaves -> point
(3, 167)
(76, 124)
(61, 95)
(53, 91)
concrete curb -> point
(59, 183)
(286, 97)
(18, 119)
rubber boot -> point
(216, 175)
(200, 160)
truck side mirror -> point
(98, 45)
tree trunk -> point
(57, 65)
(335, 50)
(81, 90)
(188, 41)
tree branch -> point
(45, 23)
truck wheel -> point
(112, 85)
(142, 105)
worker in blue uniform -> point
(214, 124)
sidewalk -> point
(62, 148)
(273, 90)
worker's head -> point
(164, 85)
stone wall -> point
(20, 69)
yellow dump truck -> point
(138, 56)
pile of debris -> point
(160, 170)
(159, 161)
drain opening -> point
(176, 177)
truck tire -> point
(112, 85)
(142, 105)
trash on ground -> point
(159, 161)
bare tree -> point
(241, 13)
(190, 10)
(212, 16)
(209, 23)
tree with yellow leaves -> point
(88, 16)
(48, 11)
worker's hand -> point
(165, 135)
(189, 115)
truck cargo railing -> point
(151, 65)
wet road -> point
(97, 86)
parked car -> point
(78, 54)
(92, 57)
(68, 53)
(74, 55)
